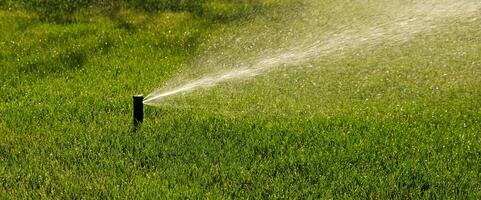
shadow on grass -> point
(66, 11)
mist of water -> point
(408, 22)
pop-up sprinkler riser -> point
(138, 110)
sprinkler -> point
(138, 110)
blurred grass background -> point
(68, 11)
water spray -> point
(138, 110)
(408, 22)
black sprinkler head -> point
(138, 110)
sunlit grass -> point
(395, 121)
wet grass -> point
(392, 122)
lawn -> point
(399, 119)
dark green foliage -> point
(55, 10)
(61, 11)
(173, 5)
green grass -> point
(397, 121)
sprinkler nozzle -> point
(138, 110)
